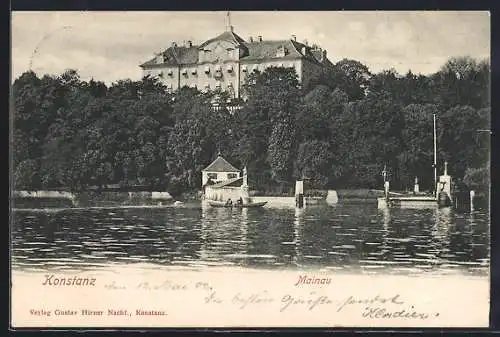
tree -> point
(281, 149)
(478, 178)
(314, 114)
(185, 157)
(458, 138)
(267, 124)
(314, 163)
(463, 81)
(275, 93)
(26, 175)
(370, 137)
(341, 129)
(417, 153)
(353, 78)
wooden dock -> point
(409, 202)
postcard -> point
(250, 169)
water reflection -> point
(224, 236)
(342, 237)
(385, 246)
(297, 233)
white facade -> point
(218, 177)
(223, 193)
(224, 62)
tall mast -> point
(435, 156)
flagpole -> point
(228, 21)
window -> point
(207, 69)
(184, 72)
(218, 72)
(212, 176)
(193, 71)
(170, 72)
(244, 68)
(232, 175)
(229, 68)
(281, 52)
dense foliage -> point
(338, 132)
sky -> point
(109, 46)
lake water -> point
(357, 238)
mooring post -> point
(472, 194)
(299, 194)
(386, 183)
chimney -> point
(323, 56)
(189, 43)
(303, 49)
(174, 44)
(260, 38)
(294, 38)
(251, 39)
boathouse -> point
(218, 171)
(228, 189)
(222, 181)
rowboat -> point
(235, 205)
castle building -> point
(224, 61)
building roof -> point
(220, 165)
(228, 36)
(264, 50)
(256, 51)
(176, 55)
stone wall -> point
(43, 194)
(89, 198)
